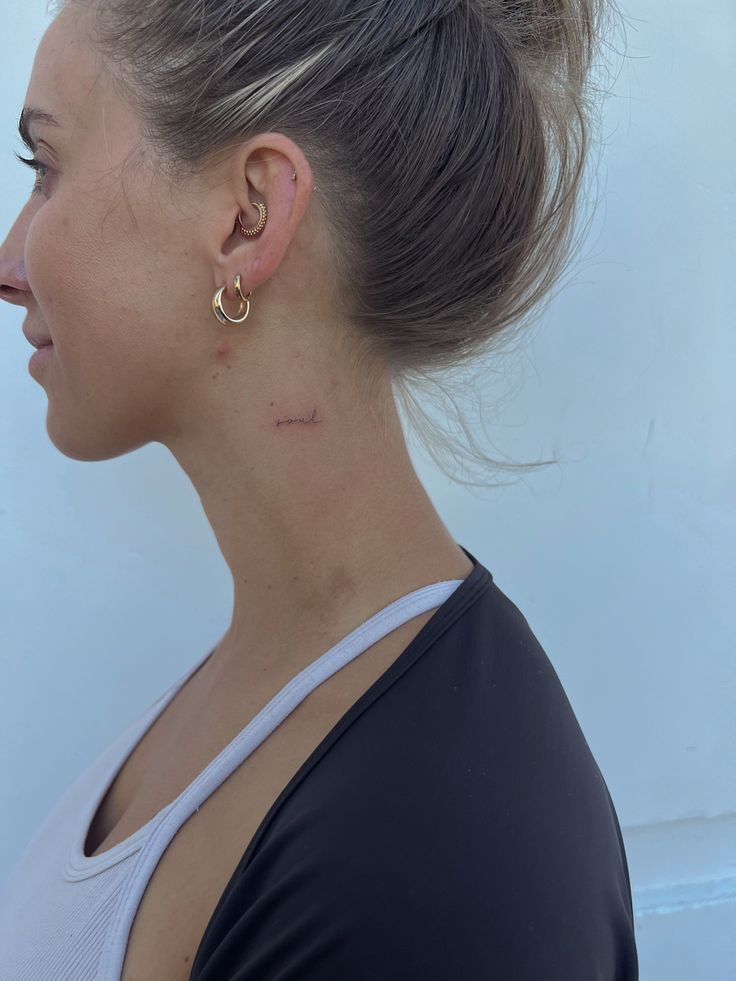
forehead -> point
(68, 82)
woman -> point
(251, 222)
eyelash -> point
(37, 166)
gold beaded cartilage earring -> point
(256, 229)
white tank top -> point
(67, 917)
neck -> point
(322, 521)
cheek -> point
(78, 264)
(118, 299)
(58, 269)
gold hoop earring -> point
(248, 232)
(219, 310)
(239, 292)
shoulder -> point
(471, 832)
(459, 827)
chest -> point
(193, 872)
(199, 861)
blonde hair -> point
(448, 136)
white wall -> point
(621, 559)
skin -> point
(306, 482)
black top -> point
(453, 826)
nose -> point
(12, 295)
(14, 286)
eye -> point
(38, 167)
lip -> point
(41, 356)
(38, 342)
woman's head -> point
(121, 263)
(446, 140)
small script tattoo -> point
(288, 422)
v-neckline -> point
(80, 865)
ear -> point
(260, 170)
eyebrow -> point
(30, 114)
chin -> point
(85, 446)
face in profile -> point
(104, 258)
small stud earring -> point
(293, 177)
